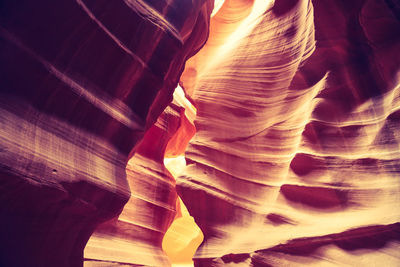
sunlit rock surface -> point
(136, 236)
(81, 81)
(296, 158)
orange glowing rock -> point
(183, 237)
(137, 236)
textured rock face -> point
(296, 155)
(80, 83)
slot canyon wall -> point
(81, 82)
(295, 158)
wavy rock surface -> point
(80, 83)
(296, 155)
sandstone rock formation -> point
(296, 155)
(80, 83)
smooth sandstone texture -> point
(296, 156)
(81, 81)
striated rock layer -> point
(80, 83)
(296, 158)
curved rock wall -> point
(81, 81)
(296, 155)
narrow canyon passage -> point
(199, 133)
